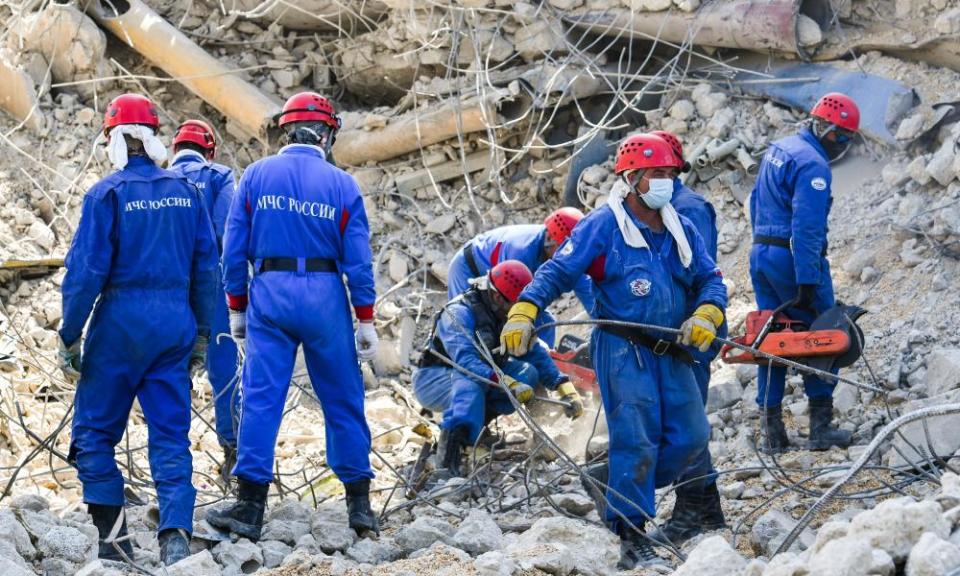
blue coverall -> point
(523, 242)
(146, 248)
(463, 400)
(297, 205)
(215, 182)
(791, 201)
(701, 214)
(654, 409)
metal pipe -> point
(717, 151)
(758, 25)
(747, 161)
(135, 24)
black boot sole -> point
(249, 531)
(662, 536)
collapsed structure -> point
(482, 113)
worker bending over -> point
(532, 244)
(648, 265)
(452, 371)
(145, 247)
(194, 147)
(789, 207)
(300, 222)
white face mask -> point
(659, 194)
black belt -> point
(781, 242)
(290, 265)
(469, 254)
(656, 345)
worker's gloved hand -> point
(516, 338)
(522, 392)
(569, 394)
(238, 324)
(805, 294)
(198, 356)
(367, 340)
(70, 361)
(701, 328)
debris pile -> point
(459, 118)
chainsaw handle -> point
(769, 323)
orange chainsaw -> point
(832, 340)
(572, 357)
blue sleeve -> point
(203, 281)
(704, 219)
(88, 263)
(357, 257)
(455, 329)
(221, 206)
(570, 262)
(236, 238)
(708, 283)
(584, 292)
(811, 204)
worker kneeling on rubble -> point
(648, 265)
(788, 264)
(194, 147)
(467, 401)
(301, 223)
(532, 244)
(146, 248)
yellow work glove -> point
(701, 328)
(516, 338)
(522, 392)
(569, 394)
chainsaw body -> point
(572, 357)
(775, 333)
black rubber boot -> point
(636, 550)
(773, 434)
(245, 518)
(822, 434)
(450, 451)
(104, 517)
(229, 460)
(362, 518)
(711, 512)
(685, 520)
(174, 545)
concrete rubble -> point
(459, 118)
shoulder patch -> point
(567, 249)
(818, 183)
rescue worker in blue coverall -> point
(532, 244)
(789, 207)
(695, 510)
(145, 247)
(194, 147)
(648, 265)
(469, 404)
(300, 221)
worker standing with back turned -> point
(649, 265)
(194, 147)
(789, 207)
(301, 223)
(697, 508)
(146, 249)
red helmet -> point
(130, 109)
(645, 151)
(560, 223)
(307, 106)
(672, 140)
(196, 132)
(838, 109)
(510, 277)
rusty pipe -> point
(135, 24)
(758, 25)
(416, 128)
